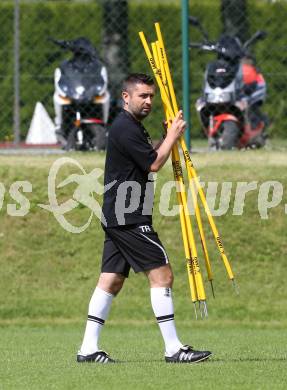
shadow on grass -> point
(212, 360)
(250, 359)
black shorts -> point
(132, 246)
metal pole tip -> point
(236, 288)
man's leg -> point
(161, 280)
(108, 286)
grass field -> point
(43, 358)
(47, 276)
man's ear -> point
(125, 96)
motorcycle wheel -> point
(230, 135)
(71, 140)
(98, 135)
(257, 142)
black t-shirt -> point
(129, 157)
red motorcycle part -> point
(249, 134)
(217, 122)
(92, 120)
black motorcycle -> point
(81, 97)
(233, 93)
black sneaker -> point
(188, 355)
(97, 357)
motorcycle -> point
(233, 93)
(81, 97)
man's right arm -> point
(174, 132)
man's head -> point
(137, 92)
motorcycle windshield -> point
(81, 80)
(220, 73)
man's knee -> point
(161, 277)
(111, 282)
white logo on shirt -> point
(145, 228)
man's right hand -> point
(177, 127)
(174, 132)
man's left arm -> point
(157, 146)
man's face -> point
(138, 100)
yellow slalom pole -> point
(161, 65)
(156, 72)
(155, 57)
(195, 263)
(166, 72)
(178, 170)
(177, 163)
(192, 258)
(177, 173)
(191, 167)
(166, 66)
(210, 217)
(190, 269)
(201, 231)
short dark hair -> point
(136, 78)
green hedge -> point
(63, 19)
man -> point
(130, 239)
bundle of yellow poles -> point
(157, 58)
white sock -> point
(99, 307)
(161, 300)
